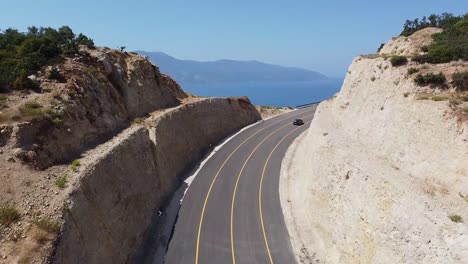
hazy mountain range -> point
(228, 71)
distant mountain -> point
(228, 71)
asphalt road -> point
(232, 212)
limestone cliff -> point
(381, 176)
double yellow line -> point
(216, 176)
(260, 190)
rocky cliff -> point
(87, 162)
(116, 198)
(381, 176)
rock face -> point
(136, 172)
(378, 174)
(107, 90)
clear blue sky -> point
(322, 35)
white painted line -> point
(190, 178)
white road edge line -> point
(190, 178)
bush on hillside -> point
(398, 60)
(449, 45)
(430, 78)
(444, 21)
(412, 70)
(460, 80)
(55, 74)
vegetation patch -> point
(138, 121)
(48, 225)
(449, 45)
(55, 74)
(430, 79)
(412, 71)
(75, 165)
(456, 218)
(61, 181)
(398, 61)
(31, 109)
(406, 94)
(372, 78)
(460, 80)
(8, 215)
(439, 98)
(41, 236)
(24, 53)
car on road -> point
(298, 122)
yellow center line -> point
(260, 192)
(216, 176)
(237, 183)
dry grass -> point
(41, 236)
(439, 98)
(31, 109)
(8, 215)
(48, 225)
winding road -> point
(232, 213)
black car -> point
(298, 122)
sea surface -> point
(272, 94)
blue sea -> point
(272, 94)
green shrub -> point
(48, 225)
(460, 80)
(24, 53)
(445, 20)
(22, 82)
(61, 181)
(372, 78)
(449, 45)
(8, 215)
(406, 94)
(412, 70)
(456, 218)
(398, 60)
(76, 163)
(430, 78)
(138, 120)
(55, 74)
